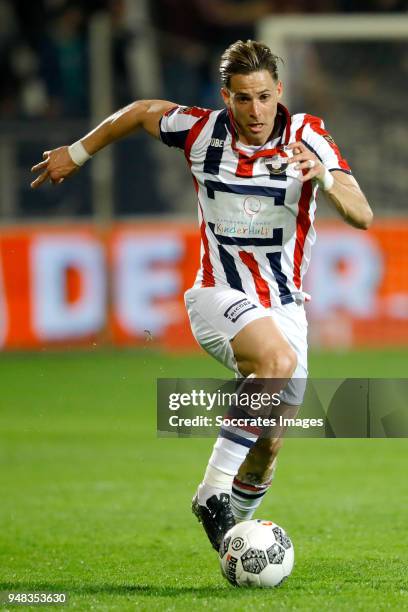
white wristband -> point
(78, 153)
(327, 181)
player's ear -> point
(279, 89)
(226, 96)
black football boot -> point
(216, 517)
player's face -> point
(253, 100)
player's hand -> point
(305, 160)
(56, 166)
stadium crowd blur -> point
(44, 63)
(44, 56)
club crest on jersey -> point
(276, 164)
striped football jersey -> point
(256, 217)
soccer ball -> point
(256, 553)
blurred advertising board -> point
(78, 285)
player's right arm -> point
(58, 164)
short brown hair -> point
(246, 57)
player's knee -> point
(285, 363)
(277, 363)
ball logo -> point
(231, 569)
(237, 544)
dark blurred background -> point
(56, 83)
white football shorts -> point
(217, 314)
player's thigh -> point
(261, 346)
(217, 315)
(275, 349)
(292, 322)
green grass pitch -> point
(93, 503)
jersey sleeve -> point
(177, 123)
(321, 143)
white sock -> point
(229, 452)
(224, 463)
(247, 497)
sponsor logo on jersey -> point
(246, 230)
(252, 206)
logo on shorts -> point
(237, 309)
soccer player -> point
(256, 169)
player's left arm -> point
(350, 202)
(340, 188)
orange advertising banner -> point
(80, 286)
(359, 285)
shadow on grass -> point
(327, 576)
